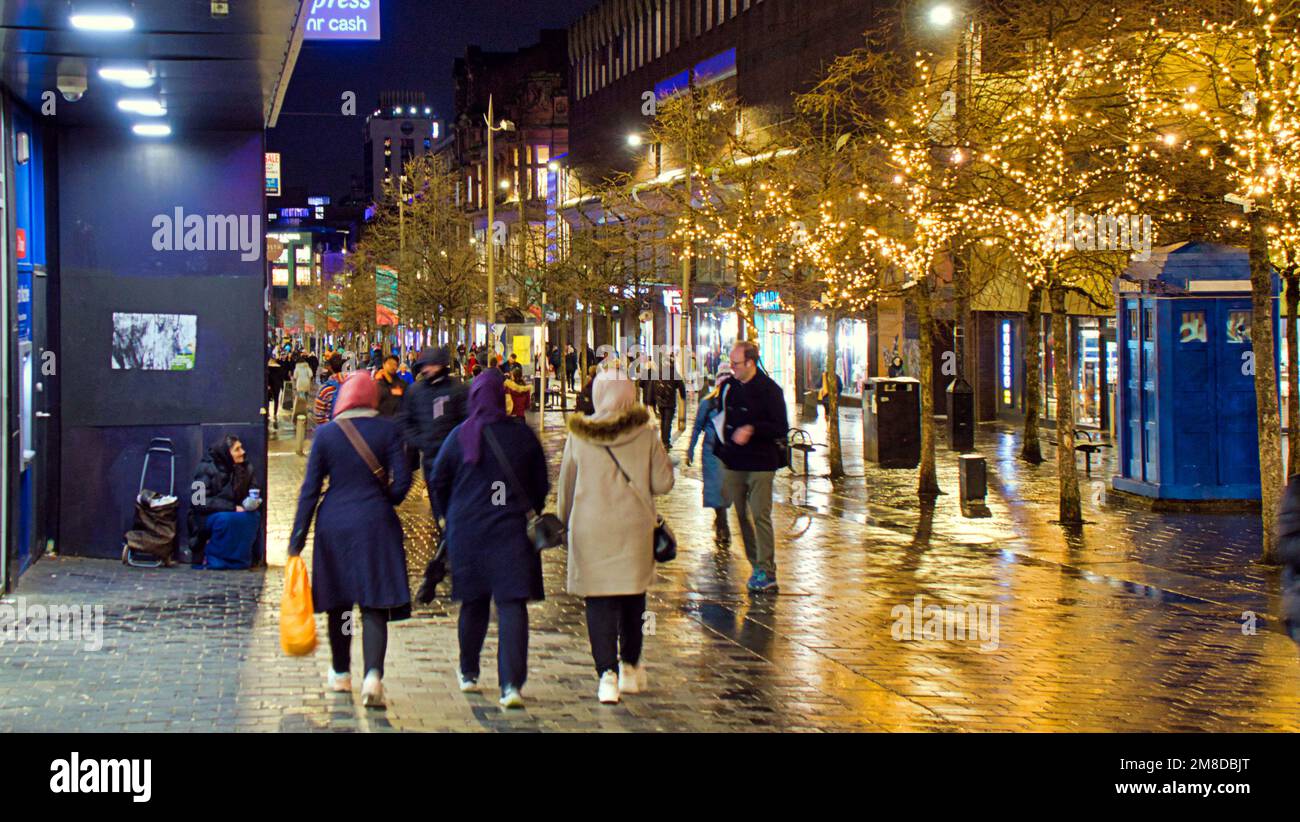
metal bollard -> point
(973, 478)
(299, 433)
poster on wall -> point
(154, 342)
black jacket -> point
(390, 395)
(432, 408)
(665, 394)
(760, 403)
(225, 485)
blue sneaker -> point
(761, 582)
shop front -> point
(1093, 370)
(852, 352)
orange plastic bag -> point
(297, 622)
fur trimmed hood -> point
(608, 432)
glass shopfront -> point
(851, 354)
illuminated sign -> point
(318, 201)
(1006, 362)
(673, 300)
(295, 212)
(272, 174)
(342, 20)
(768, 301)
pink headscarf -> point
(357, 391)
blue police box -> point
(1186, 422)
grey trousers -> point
(751, 493)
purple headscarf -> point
(487, 404)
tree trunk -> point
(1270, 435)
(833, 413)
(1292, 370)
(927, 485)
(1032, 452)
(746, 329)
(560, 371)
(1067, 474)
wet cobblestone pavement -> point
(1132, 624)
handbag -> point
(665, 541)
(434, 573)
(544, 530)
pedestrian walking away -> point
(358, 558)
(434, 406)
(708, 424)
(491, 557)
(754, 421)
(666, 390)
(613, 464)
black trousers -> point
(666, 425)
(512, 639)
(614, 626)
(374, 638)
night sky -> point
(322, 149)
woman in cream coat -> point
(611, 524)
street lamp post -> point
(491, 188)
(961, 396)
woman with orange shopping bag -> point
(357, 553)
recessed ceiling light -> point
(146, 107)
(152, 129)
(102, 21)
(129, 76)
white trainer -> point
(512, 698)
(372, 690)
(608, 692)
(631, 678)
(467, 685)
(339, 683)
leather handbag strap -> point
(644, 501)
(363, 450)
(505, 466)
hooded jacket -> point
(610, 525)
(432, 408)
(517, 397)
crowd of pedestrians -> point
(459, 414)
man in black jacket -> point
(665, 392)
(754, 426)
(434, 405)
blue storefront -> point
(1187, 419)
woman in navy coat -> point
(486, 521)
(711, 466)
(357, 554)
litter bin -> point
(891, 422)
(961, 416)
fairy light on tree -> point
(1235, 82)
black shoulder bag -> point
(544, 530)
(665, 541)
